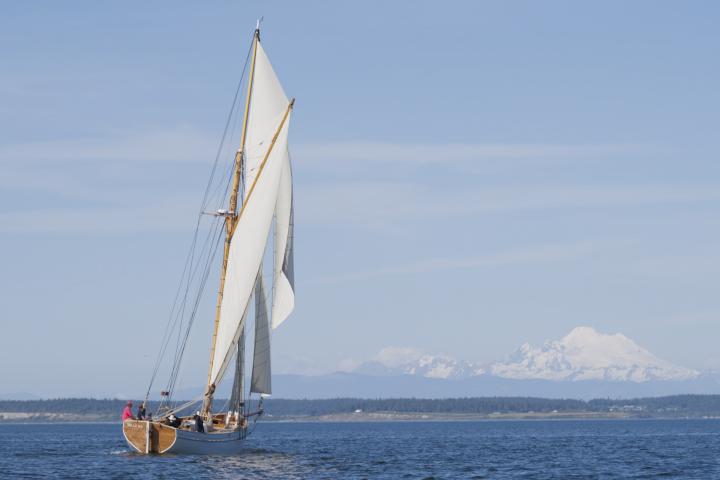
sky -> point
(469, 176)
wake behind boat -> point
(259, 201)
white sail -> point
(268, 105)
(268, 102)
(247, 248)
(283, 278)
(238, 388)
(261, 373)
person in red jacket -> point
(127, 412)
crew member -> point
(127, 412)
(199, 426)
(141, 411)
(173, 421)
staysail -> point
(265, 156)
(283, 278)
(238, 388)
(261, 373)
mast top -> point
(257, 27)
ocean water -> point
(392, 450)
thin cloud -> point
(60, 168)
(171, 145)
(529, 255)
(427, 153)
(184, 144)
(372, 204)
(161, 216)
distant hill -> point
(692, 406)
(385, 386)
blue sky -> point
(469, 176)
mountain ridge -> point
(582, 354)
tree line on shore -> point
(676, 405)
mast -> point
(231, 222)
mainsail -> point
(268, 103)
(265, 154)
(267, 89)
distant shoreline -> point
(375, 417)
(346, 410)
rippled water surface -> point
(501, 449)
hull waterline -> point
(153, 437)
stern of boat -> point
(149, 437)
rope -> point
(177, 314)
(183, 406)
(178, 358)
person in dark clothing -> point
(141, 411)
(199, 426)
(174, 421)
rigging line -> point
(194, 266)
(216, 225)
(207, 188)
(205, 249)
(227, 125)
(179, 351)
(177, 409)
(201, 287)
(225, 406)
(214, 231)
(206, 273)
(231, 167)
(179, 315)
(209, 197)
(170, 323)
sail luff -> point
(230, 224)
(251, 82)
(269, 101)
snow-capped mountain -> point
(409, 361)
(583, 354)
(428, 366)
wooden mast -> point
(230, 223)
(207, 403)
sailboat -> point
(260, 202)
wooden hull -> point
(216, 443)
(153, 437)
